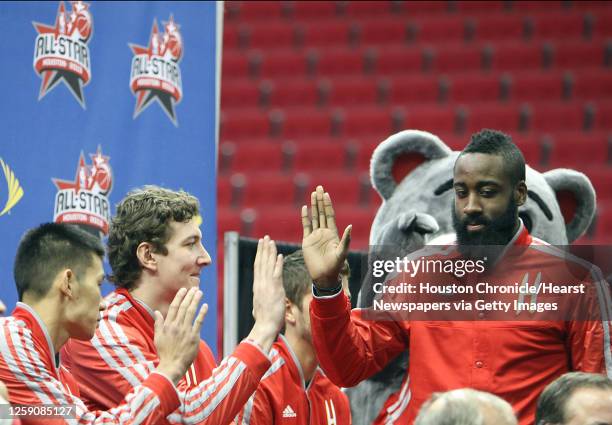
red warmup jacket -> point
(284, 398)
(512, 359)
(29, 370)
(122, 354)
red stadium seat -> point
(365, 154)
(282, 223)
(457, 58)
(497, 116)
(265, 189)
(361, 219)
(558, 25)
(430, 118)
(600, 178)
(531, 5)
(418, 8)
(409, 90)
(557, 117)
(576, 149)
(266, 35)
(359, 122)
(224, 191)
(590, 84)
(475, 88)
(591, 5)
(252, 158)
(235, 64)
(346, 189)
(319, 157)
(534, 86)
(304, 122)
(324, 33)
(517, 56)
(531, 147)
(313, 9)
(398, 60)
(340, 62)
(294, 92)
(353, 91)
(283, 63)
(253, 10)
(244, 124)
(231, 37)
(383, 31)
(603, 115)
(603, 22)
(369, 8)
(581, 54)
(478, 7)
(239, 93)
(228, 220)
(440, 29)
(495, 28)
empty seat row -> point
(541, 149)
(404, 90)
(302, 10)
(262, 188)
(283, 222)
(393, 59)
(398, 29)
(364, 121)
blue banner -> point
(100, 98)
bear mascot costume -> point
(412, 171)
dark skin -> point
(483, 188)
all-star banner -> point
(100, 98)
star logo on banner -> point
(61, 53)
(156, 75)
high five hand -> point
(324, 252)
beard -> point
(491, 240)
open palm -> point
(324, 252)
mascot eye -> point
(526, 221)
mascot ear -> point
(399, 155)
(576, 197)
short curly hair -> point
(144, 215)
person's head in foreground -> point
(576, 398)
(298, 291)
(465, 407)
(58, 270)
(155, 244)
(489, 184)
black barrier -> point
(247, 247)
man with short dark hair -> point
(58, 272)
(513, 353)
(576, 398)
(294, 388)
(155, 248)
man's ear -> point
(66, 283)
(520, 193)
(289, 317)
(145, 256)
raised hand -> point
(324, 252)
(268, 294)
(177, 337)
